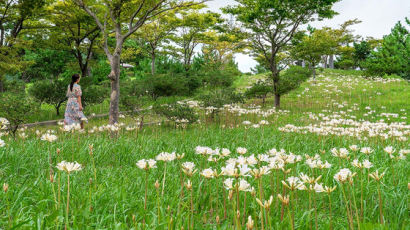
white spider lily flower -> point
(263, 122)
(244, 170)
(263, 157)
(293, 183)
(202, 150)
(228, 183)
(69, 166)
(366, 150)
(2, 143)
(251, 160)
(354, 148)
(146, 164)
(164, 156)
(241, 160)
(244, 186)
(241, 150)
(318, 188)
(229, 170)
(246, 123)
(344, 175)
(48, 137)
(365, 164)
(258, 173)
(341, 153)
(209, 173)
(225, 152)
(389, 150)
(188, 168)
(276, 163)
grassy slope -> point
(119, 189)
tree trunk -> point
(84, 71)
(263, 100)
(277, 101)
(314, 73)
(153, 63)
(275, 75)
(324, 58)
(331, 62)
(114, 76)
(1, 86)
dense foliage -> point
(393, 55)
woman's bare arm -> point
(79, 102)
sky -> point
(377, 16)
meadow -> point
(333, 157)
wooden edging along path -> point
(55, 122)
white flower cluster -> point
(48, 137)
(3, 123)
(146, 164)
(69, 166)
(166, 157)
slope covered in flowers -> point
(333, 157)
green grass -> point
(117, 194)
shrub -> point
(51, 92)
(292, 78)
(217, 98)
(94, 94)
(180, 113)
(15, 86)
(16, 108)
(134, 95)
(168, 85)
(259, 90)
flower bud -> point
(156, 184)
(217, 220)
(249, 224)
(91, 149)
(5, 187)
(230, 195)
(253, 192)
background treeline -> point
(176, 48)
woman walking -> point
(74, 110)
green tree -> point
(393, 56)
(361, 52)
(193, 26)
(313, 46)
(273, 23)
(15, 16)
(123, 18)
(156, 33)
(74, 31)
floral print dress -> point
(73, 114)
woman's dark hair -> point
(74, 78)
